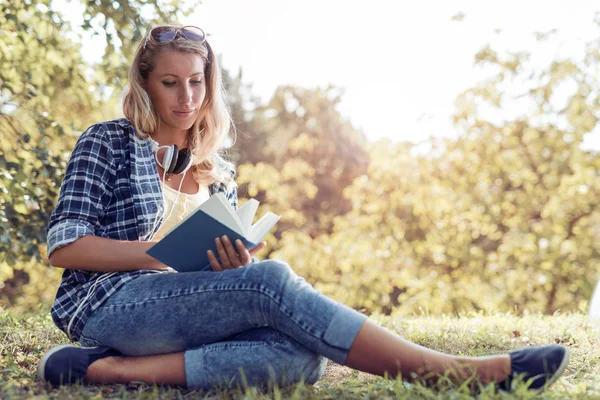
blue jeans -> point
(261, 319)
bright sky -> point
(401, 63)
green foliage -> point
(28, 286)
(39, 105)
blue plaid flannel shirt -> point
(111, 189)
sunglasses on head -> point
(168, 33)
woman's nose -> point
(186, 95)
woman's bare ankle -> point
(483, 369)
(493, 368)
(104, 370)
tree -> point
(310, 153)
(548, 186)
(505, 217)
(249, 122)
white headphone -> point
(175, 160)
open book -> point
(184, 247)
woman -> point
(242, 320)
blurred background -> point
(437, 157)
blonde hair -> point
(207, 134)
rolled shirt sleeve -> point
(85, 192)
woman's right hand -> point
(232, 257)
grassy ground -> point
(25, 338)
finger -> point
(258, 248)
(231, 252)
(245, 256)
(214, 263)
(225, 263)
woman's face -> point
(176, 88)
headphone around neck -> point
(174, 160)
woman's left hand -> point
(232, 256)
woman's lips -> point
(184, 113)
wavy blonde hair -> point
(206, 136)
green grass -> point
(25, 338)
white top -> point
(186, 203)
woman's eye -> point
(197, 82)
(168, 83)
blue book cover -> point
(184, 247)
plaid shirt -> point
(111, 189)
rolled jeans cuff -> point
(340, 333)
(195, 372)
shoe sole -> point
(42, 368)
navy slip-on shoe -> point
(67, 364)
(538, 366)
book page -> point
(220, 209)
(262, 226)
(246, 214)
